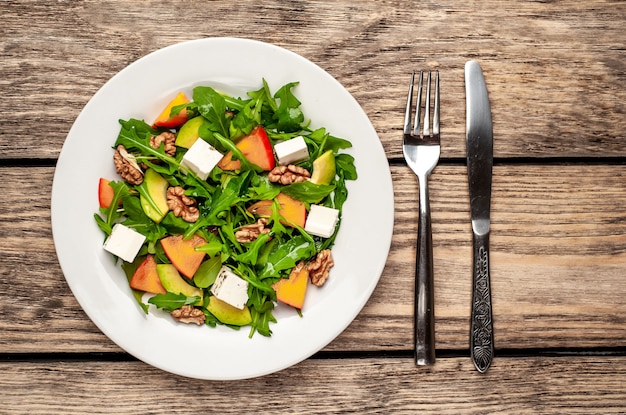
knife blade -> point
(479, 145)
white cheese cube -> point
(124, 242)
(230, 288)
(201, 158)
(321, 221)
(291, 151)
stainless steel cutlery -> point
(421, 148)
(479, 141)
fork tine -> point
(409, 107)
(436, 114)
(416, 124)
(427, 109)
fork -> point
(421, 152)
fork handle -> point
(424, 285)
(481, 326)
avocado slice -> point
(228, 314)
(154, 206)
(324, 168)
(174, 283)
(189, 132)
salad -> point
(225, 206)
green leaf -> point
(251, 255)
(345, 163)
(247, 273)
(287, 255)
(262, 189)
(327, 142)
(307, 191)
(288, 116)
(213, 245)
(212, 106)
(261, 308)
(226, 197)
(171, 301)
(207, 273)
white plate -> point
(141, 90)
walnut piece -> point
(168, 139)
(288, 174)
(249, 233)
(188, 314)
(182, 205)
(126, 166)
(320, 266)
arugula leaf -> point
(308, 192)
(213, 245)
(207, 273)
(265, 252)
(261, 307)
(327, 142)
(225, 197)
(262, 189)
(288, 116)
(212, 105)
(248, 274)
(287, 255)
(263, 96)
(171, 301)
(345, 163)
(248, 117)
(174, 225)
(251, 255)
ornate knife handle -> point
(481, 330)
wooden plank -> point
(540, 385)
(555, 70)
(558, 257)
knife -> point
(479, 137)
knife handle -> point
(481, 330)
(424, 286)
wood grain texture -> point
(534, 386)
(556, 71)
(556, 75)
(558, 253)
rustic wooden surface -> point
(556, 73)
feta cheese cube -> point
(291, 151)
(230, 288)
(201, 158)
(321, 221)
(124, 242)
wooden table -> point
(556, 73)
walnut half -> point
(126, 166)
(168, 139)
(249, 233)
(320, 266)
(182, 205)
(288, 174)
(188, 314)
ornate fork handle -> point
(481, 331)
